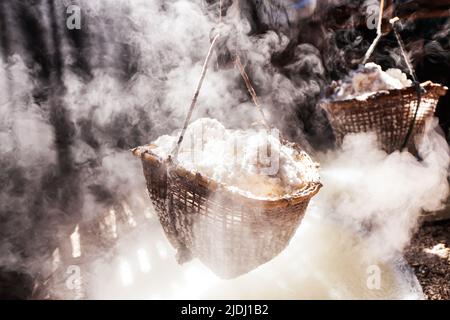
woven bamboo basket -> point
(390, 114)
(229, 232)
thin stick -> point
(251, 90)
(194, 99)
(380, 18)
(379, 34)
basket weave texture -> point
(229, 232)
(387, 113)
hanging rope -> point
(252, 91)
(244, 75)
(194, 99)
(395, 24)
(246, 78)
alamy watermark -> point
(73, 281)
(73, 21)
(373, 281)
(372, 8)
(263, 155)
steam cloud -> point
(363, 218)
(70, 114)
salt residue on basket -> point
(230, 157)
(367, 80)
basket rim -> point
(429, 86)
(306, 192)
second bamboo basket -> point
(390, 114)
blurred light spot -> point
(129, 215)
(162, 250)
(75, 241)
(110, 220)
(148, 213)
(144, 261)
(198, 281)
(126, 274)
(439, 250)
(56, 260)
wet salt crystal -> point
(250, 161)
(369, 79)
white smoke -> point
(108, 113)
(382, 196)
(359, 223)
(370, 199)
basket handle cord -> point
(251, 90)
(395, 24)
(379, 34)
(194, 99)
(183, 253)
(244, 76)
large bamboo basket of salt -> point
(228, 230)
(396, 116)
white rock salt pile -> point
(253, 162)
(369, 79)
